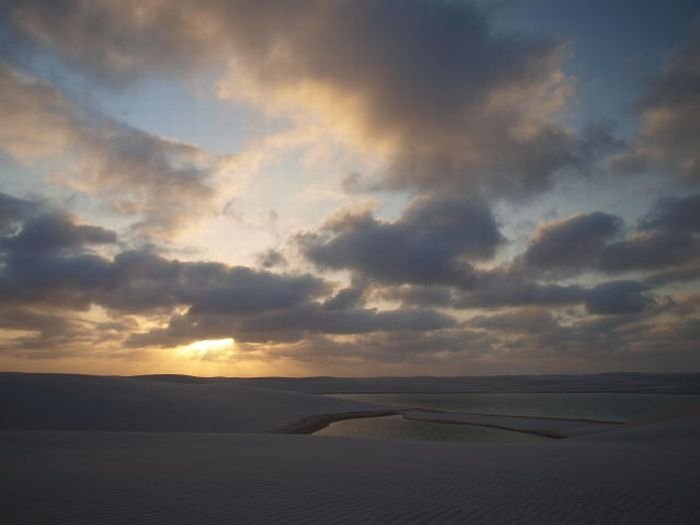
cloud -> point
(572, 243)
(50, 259)
(618, 298)
(449, 102)
(291, 324)
(523, 293)
(115, 42)
(56, 272)
(429, 244)
(55, 231)
(674, 213)
(649, 250)
(345, 298)
(665, 237)
(527, 320)
(13, 210)
(50, 264)
(504, 288)
(670, 136)
(271, 258)
(163, 184)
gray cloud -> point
(523, 293)
(49, 263)
(676, 275)
(664, 238)
(291, 324)
(162, 183)
(528, 320)
(452, 103)
(651, 250)
(618, 297)
(572, 243)
(271, 258)
(674, 213)
(670, 136)
(429, 244)
(49, 259)
(55, 231)
(350, 297)
(502, 288)
(13, 210)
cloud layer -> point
(455, 122)
(161, 183)
(448, 102)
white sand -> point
(645, 473)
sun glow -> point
(210, 347)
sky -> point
(386, 187)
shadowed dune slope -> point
(76, 402)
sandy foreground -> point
(79, 449)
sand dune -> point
(175, 470)
(107, 478)
(78, 402)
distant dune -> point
(678, 383)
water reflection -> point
(396, 427)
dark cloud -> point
(647, 251)
(524, 293)
(144, 281)
(429, 244)
(670, 136)
(674, 213)
(507, 289)
(291, 324)
(385, 349)
(316, 319)
(271, 258)
(593, 242)
(55, 231)
(345, 298)
(666, 238)
(49, 259)
(618, 298)
(243, 291)
(572, 243)
(13, 210)
(676, 275)
(524, 320)
(49, 262)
